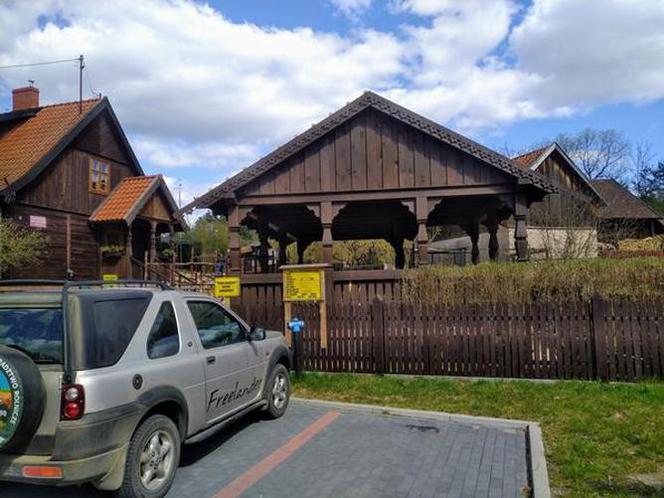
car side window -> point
(164, 339)
(215, 326)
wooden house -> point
(625, 215)
(68, 170)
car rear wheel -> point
(152, 459)
(278, 392)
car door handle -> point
(211, 360)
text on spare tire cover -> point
(11, 401)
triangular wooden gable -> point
(374, 151)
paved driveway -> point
(320, 451)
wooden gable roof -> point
(369, 100)
(534, 159)
(131, 196)
(621, 203)
(35, 138)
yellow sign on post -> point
(303, 285)
(110, 277)
(227, 287)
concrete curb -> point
(535, 446)
(537, 461)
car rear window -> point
(37, 332)
(114, 323)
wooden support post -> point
(520, 229)
(301, 247)
(263, 254)
(326, 222)
(130, 252)
(282, 259)
(328, 294)
(399, 253)
(473, 231)
(234, 239)
(288, 314)
(153, 241)
(493, 241)
(422, 214)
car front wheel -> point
(152, 459)
(278, 392)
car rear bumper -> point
(84, 450)
(13, 467)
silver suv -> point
(103, 383)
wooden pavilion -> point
(375, 170)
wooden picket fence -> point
(612, 340)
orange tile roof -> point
(124, 198)
(30, 140)
(527, 159)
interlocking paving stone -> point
(359, 454)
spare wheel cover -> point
(22, 397)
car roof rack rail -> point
(70, 284)
(32, 283)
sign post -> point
(305, 283)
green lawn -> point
(595, 434)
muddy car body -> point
(109, 380)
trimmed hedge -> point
(548, 281)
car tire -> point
(20, 379)
(147, 456)
(278, 390)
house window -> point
(100, 177)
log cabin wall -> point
(561, 208)
(61, 194)
(373, 151)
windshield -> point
(36, 332)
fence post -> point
(599, 336)
(378, 333)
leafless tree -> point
(599, 153)
(567, 226)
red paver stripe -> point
(270, 462)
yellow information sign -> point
(227, 287)
(303, 285)
(110, 277)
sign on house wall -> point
(37, 221)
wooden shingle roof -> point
(369, 100)
(30, 140)
(129, 197)
(621, 203)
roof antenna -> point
(31, 82)
(81, 65)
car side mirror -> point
(256, 333)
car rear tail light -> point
(42, 471)
(73, 402)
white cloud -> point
(196, 90)
(594, 51)
(351, 8)
(179, 154)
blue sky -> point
(202, 90)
